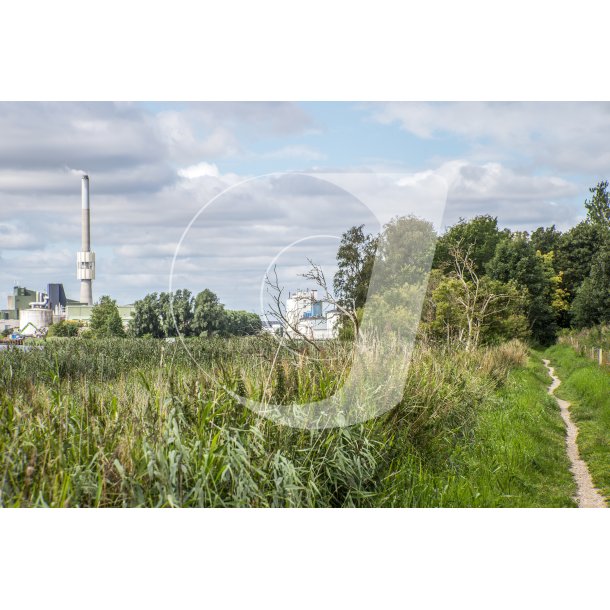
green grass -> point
(587, 387)
(513, 457)
(134, 423)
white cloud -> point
(566, 136)
(520, 200)
(200, 170)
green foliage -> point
(486, 313)
(209, 317)
(560, 297)
(576, 251)
(546, 239)
(516, 261)
(512, 456)
(355, 259)
(146, 317)
(105, 319)
(405, 250)
(598, 207)
(591, 305)
(176, 313)
(64, 328)
(202, 316)
(241, 323)
(480, 234)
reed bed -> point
(136, 422)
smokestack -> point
(85, 259)
(86, 219)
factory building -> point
(82, 313)
(307, 317)
(31, 312)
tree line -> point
(200, 316)
(489, 284)
(167, 314)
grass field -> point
(514, 455)
(135, 423)
(587, 387)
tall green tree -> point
(591, 306)
(405, 250)
(515, 261)
(146, 317)
(479, 236)
(598, 207)
(355, 259)
(209, 315)
(105, 319)
(176, 313)
(575, 253)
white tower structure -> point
(85, 259)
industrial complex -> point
(31, 312)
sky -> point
(157, 169)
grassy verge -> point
(134, 423)
(587, 387)
(514, 455)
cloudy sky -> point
(157, 167)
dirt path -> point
(587, 495)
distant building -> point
(307, 317)
(82, 313)
(272, 326)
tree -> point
(576, 250)
(405, 250)
(209, 315)
(355, 259)
(64, 328)
(560, 297)
(470, 309)
(516, 260)
(546, 239)
(146, 317)
(591, 306)
(105, 319)
(480, 235)
(241, 323)
(176, 313)
(598, 208)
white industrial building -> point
(310, 317)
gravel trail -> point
(587, 495)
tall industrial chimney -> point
(85, 259)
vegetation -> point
(132, 422)
(166, 315)
(65, 328)
(105, 319)
(587, 387)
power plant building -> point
(31, 312)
